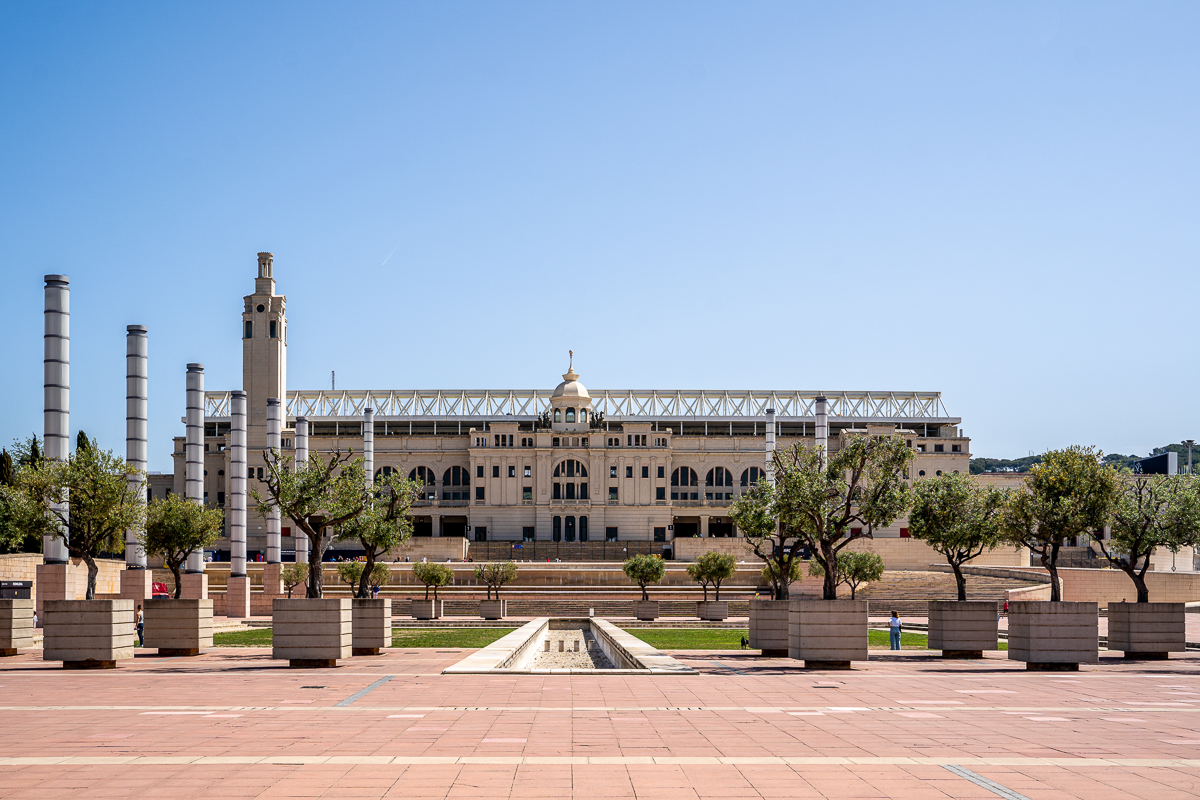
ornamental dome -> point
(571, 387)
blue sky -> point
(995, 201)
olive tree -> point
(384, 522)
(433, 575)
(826, 501)
(1069, 493)
(1150, 511)
(350, 572)
(176, 527)
(853, 569)
(496, 574)
(318, 497)
(712, 569)
(754, 514)
(644, 570)
(86, 500)
(770, 574)
(958, 517)
(293, 575)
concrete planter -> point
(1053, 636)
(712, 610)
(178, 627)
(427, 609)
(311, 633)
(645, 609)
(827, 634)
(493, 609)
(16, 626)
(1146, 630)
(372, 623)
(769, 627)
(88, 634)
(963, 628)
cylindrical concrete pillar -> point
(822, 427)
(369, 444)
(300, 538)
(237, 484)
(193, 450)
(770, 448)
(275, 445)
(137, 382)
(56, 386)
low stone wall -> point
(23, 567)
(1104, 586)
(913, 554)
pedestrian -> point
(141, 622)
(894, 629)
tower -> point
(264, 352)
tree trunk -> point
(313, 587)
(93, 571)
(705, 586)
(717, 589)
(645, 595)
(829, 590)
(1139, 581)
(174, 565)
(959, 579)
(365, 579)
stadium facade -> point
(566, 464)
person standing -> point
(894, 629)
(140, 619)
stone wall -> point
(23, 567)
(914, 554)
(1104, 586)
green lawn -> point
(447, 637)
(401, 637)
(255, 637)
(662, 638)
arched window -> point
(583, 418)
(718, 476)
(681, 479)
(423, 474)
(569, 490)
(384, 472)
(570, 418)
(558, 415)
(751, 476)
(684, 476)
(570, 469)
(717, 480)
(456, 483)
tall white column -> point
(302, 543)
(275, 443)
(193, 451)
(56, 390)
(237, 484)
(770, 448)
(369, 444)
(137, 352)
(822, 427)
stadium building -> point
(564, 465)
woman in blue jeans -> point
(894, 627)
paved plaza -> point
(234, 723)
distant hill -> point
(980, 465)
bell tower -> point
(264, 351)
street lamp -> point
(1189, 443)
